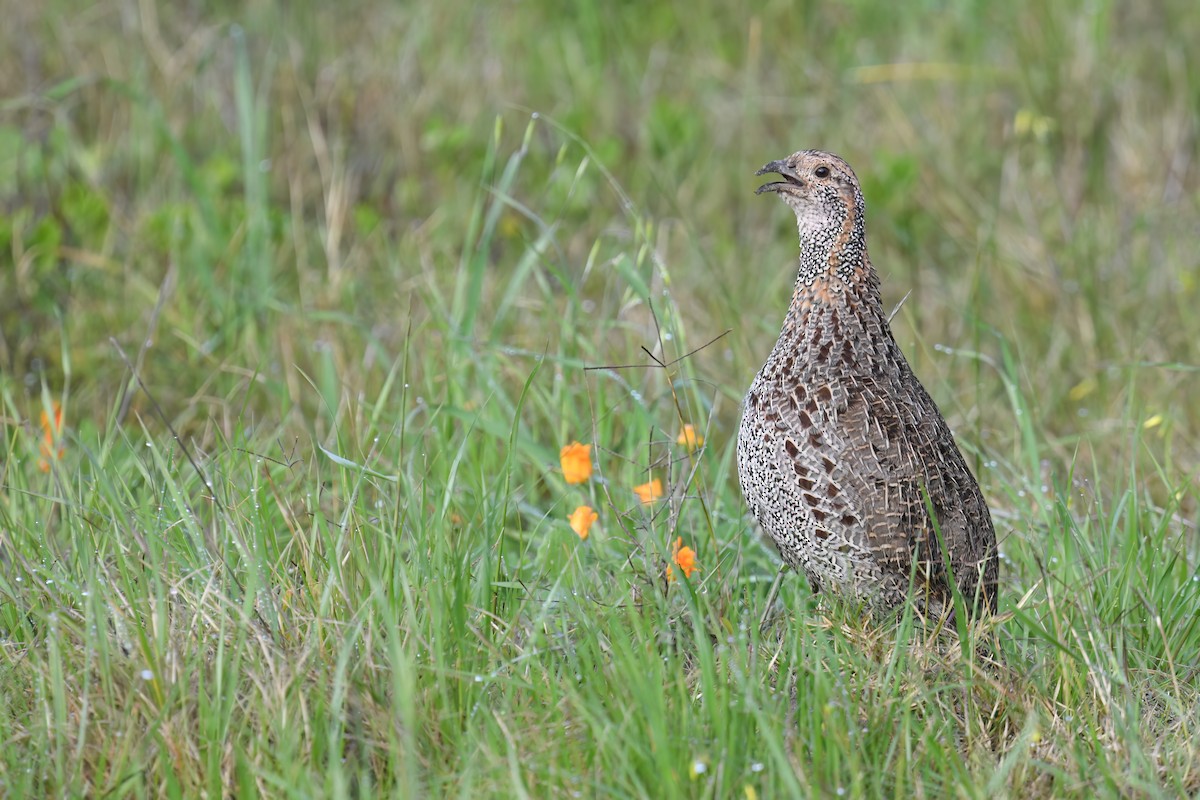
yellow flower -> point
(649, 492)
(685, 557)
(52, 448)
(582, 519)
(576, 460)
(689, 438)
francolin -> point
(841, 451)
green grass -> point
(360, 260)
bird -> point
(841, 452)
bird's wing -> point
(899, 448)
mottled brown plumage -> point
(840, 445)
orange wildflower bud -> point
(684, 557)
(51, 448)
(576, 461)
(581, 520)
(649, 492)
(689, 437)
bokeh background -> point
(306, 175)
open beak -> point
(781, 168)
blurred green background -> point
(290, 176)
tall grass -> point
(321, 295)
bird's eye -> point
(821, 172)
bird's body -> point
(841, 450)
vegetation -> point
(300, 302)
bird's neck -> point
(834, 269)
(830, 255)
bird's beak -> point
(790, 177)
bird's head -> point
(819, 187)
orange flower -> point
(51, 448)
(649, 492)
(689, 437)
(685, 557)
(581, 520)
(576, 460)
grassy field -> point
(297, 309)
